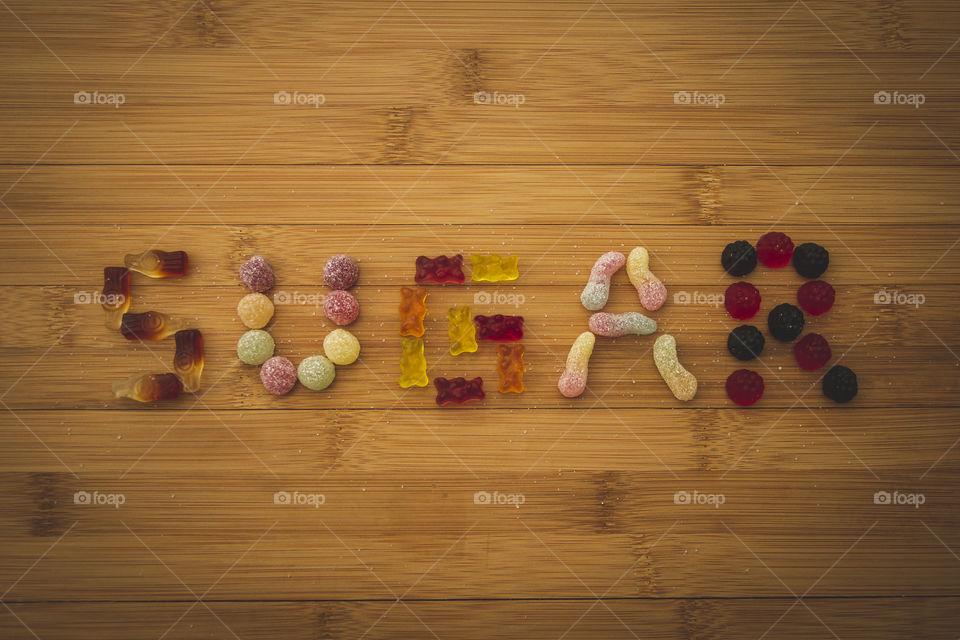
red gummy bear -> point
(816, 297)
(774, 249)
(742, 300)
(812, 351)
(499, 327)
(440, 270)
(458, 390)
(745, 387)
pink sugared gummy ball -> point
(745, 387)
(341, 307)
(816, 297)
(774, 249)
(278, 375)
(742, 300)
(812, 351)
(340, 272)
(256, 274)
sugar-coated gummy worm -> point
(682, 383)
(595, 294)
(493, 267)
(413, 366)
(650, 288)
(573, 381)
(613, 325)
(412, 311)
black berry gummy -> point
(739, 258)
(745, 342)
(785, 322)
(840, 384)
(811, 260)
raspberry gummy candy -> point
(840, 384)
(499, 327)
(595, 293)
(149, 325)
(812, 351)
(816, 297)
(785, 322)
(158, 264)
(811, 260)
(116, 295)
(745, 387)
(149, 387)
(278, 375)
(440, 270)
(774, 249)
(745, 342)
(742, 300)
(188, 359)
(340, 307)
(494, 268)
(510, 367)
(739, 258)
(412, 311)
(341, 272)
(458, 390)
(256, 274)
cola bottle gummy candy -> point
(188, 361)
(149, 387)
(158, 264)
(149, 325)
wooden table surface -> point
(611, 124)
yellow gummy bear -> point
(493, 268)
(413, 366)
(462, 332)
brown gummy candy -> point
(149, 325)
(188, 361)
(158, 264)
(149, 387)
(116, 295)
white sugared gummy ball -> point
(316, 373)
(255, 347)
(341, 346)
(255, 310)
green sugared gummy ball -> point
(255, 347)
(316, 372)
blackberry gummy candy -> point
(745, 387)
(742, 300)
(116, 294)
(412, 311)
(458, 390)
(650, 288)
(613, 325)
(340, 272)
(812, 351)
(149, 387)
(840, 384)
(256, 274)
(341, 347)
(510, 367)
(278, 375)
(745, 342)
(440, 270)
(785, 322)
(494, 268)
(816, 297)
(739, 258)
(316, 373)
(811, 260)
(255, 347)
(149, 325)
(597, 291)
(774, 249)
(340, 307)
(461, 331)
(158, 264)
(188, 360)
(573, 381)
(413, 366)
(499, 327)
(682, 383)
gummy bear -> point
(462, 333)
(158, 264)
(510, 367)
(413, 366)
(412, 311)
(149, 387)
(116, 294)
(499, 327)
(816, 297)
(188, 361)
(494, 268)
(149, 325)
(440, 270)
(458, 390)
(742, 300)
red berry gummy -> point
(745, 387)
(812, 351)
(816, 297)
(742, 300)
(774, 249)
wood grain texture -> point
(528, 516)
